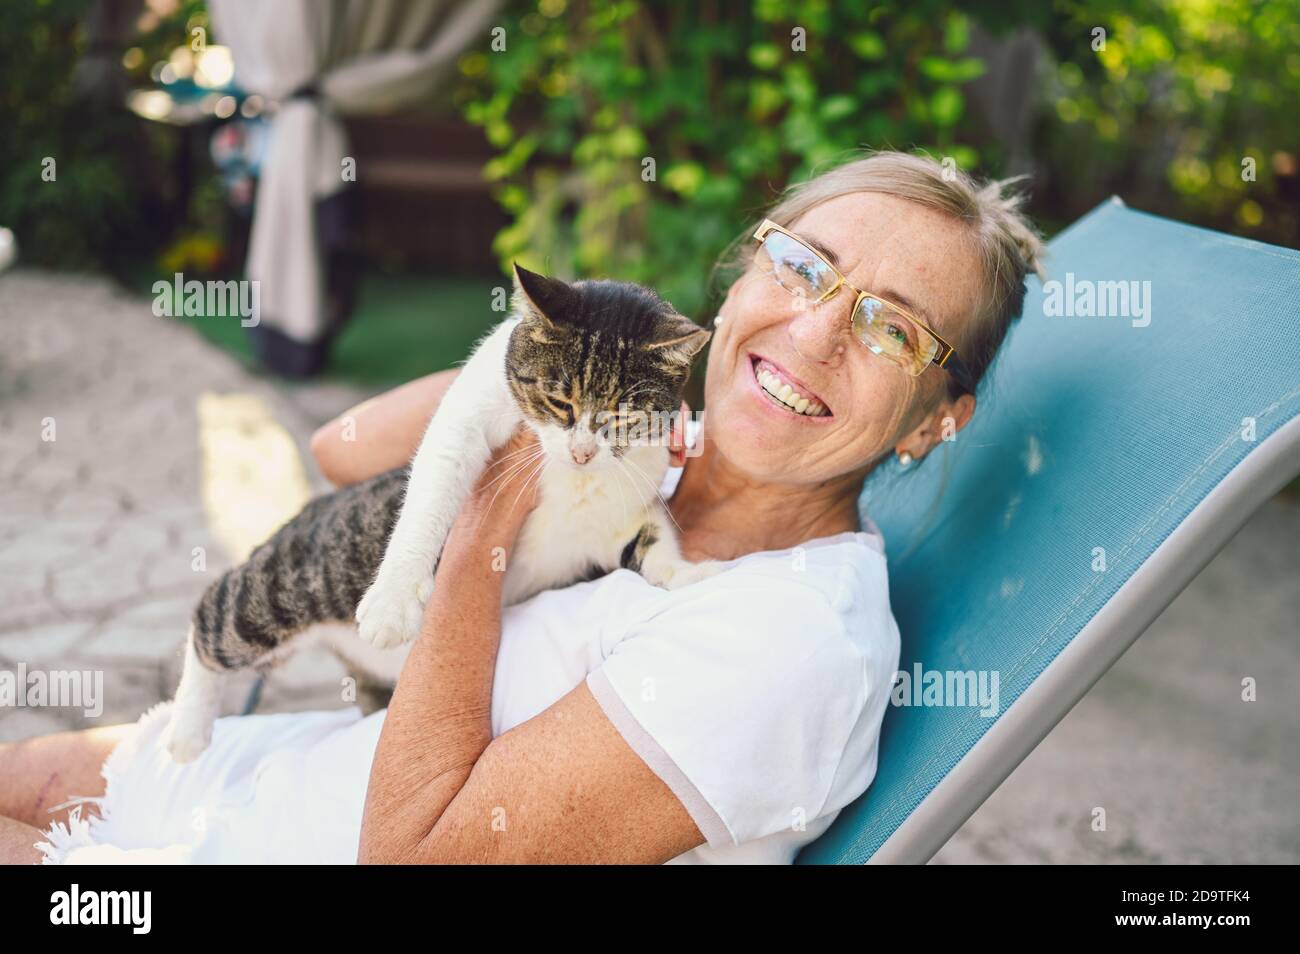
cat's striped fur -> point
(315, 569)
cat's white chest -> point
(583, 521)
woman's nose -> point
(818, 332)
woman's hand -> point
(503, 497)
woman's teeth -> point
(788, 396)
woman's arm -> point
(562, 787)
(381, 433)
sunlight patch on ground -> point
(251, 476)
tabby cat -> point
(587, 366)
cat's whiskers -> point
(511, 456)
(634, 390)
(533, 477)
(636, 473)
(506, 478)
(646, 477)
(512, 461)
(510, 476)
(618, 472)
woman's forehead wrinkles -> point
(850, 228)
(888, 292)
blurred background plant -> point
(1162, 107)
(62, 98)
(635, 140)
(1188, 110)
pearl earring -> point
(905, 459)
(718, 319)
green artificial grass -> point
(404, 326)
(223, 331)
(409, 325)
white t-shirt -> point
(756, 696)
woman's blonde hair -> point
(1007, 243)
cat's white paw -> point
(673, 576)
(187, 735)
(391, 611)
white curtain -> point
(358, 57)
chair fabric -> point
(1094, 439)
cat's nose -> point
(581, 455)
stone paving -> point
(1186, 771)
(98, 529)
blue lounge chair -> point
(1108, 463)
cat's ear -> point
(544, 300)
(680, 339)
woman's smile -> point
(785, 394)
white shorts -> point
(271, 789)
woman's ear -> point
(959, 412)
(941, 425)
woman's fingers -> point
(523, 438)
(510, 473)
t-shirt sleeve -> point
(741, 697)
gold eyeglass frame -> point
(945, 357)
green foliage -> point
(716, 94)
(391, 340)
(723, 102)
(102, 206)
(74, 219)
(1183, 93)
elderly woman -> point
(612, 721)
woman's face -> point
(902, 251)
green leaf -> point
(684, 178)
(627, 141)
(837, 107)
(765, 98)
(765, 56)
(951, 71)
(946, 106)
(868, 46)
(499, 133)
(956, 33)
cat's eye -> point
(561, 407)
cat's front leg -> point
(655, 554)
(476, 415)
(390, 612)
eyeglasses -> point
(886, 329)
